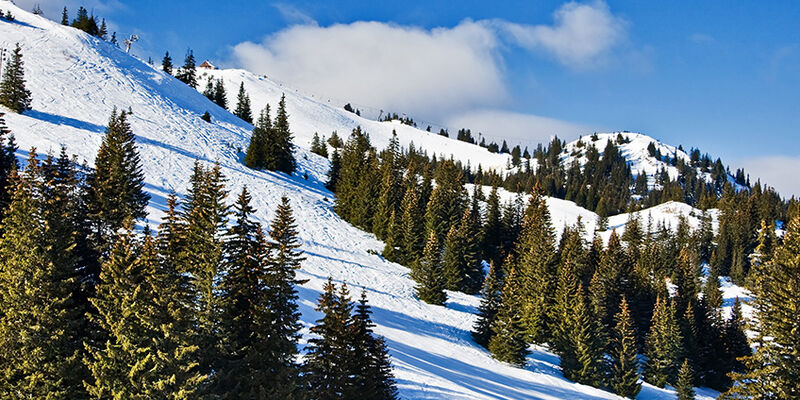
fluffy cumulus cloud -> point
(398, 68)
(581, 34)
(779, 172)
(428, 73)
(516, 128)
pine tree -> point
(40, 320)
(394, 238)
(537, 267)
(187, 73)
(176, 368)
(334, 172)
(461, 267)
(390, 191)
(412, 229)
(584, 360)
(737, 344)
(685, 385)
(220, 96)
(204, 216)
(8, 163)
(573, 259)
(428, 274)
(115, 187)
(285, 260)
(492, 229)
(490, 304)
(243, 105)
(13, 93)
(625, 368)
(508, 343)
(612, 280)
(448, 200)
(208, 92)
(102, 33)
(663, 345)
(374, 378)
(64, 17)
(772, 372)
(280, 155)
(250, 352)
(119, 367)
(326, 370)
(256, 156)
(166, 63)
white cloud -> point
(397, 68)
(524, 129)
(779, 172)
(581, 35)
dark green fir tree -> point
(13, 93)
(624, 379)
(243, 110)
(428, 274)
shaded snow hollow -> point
(76, 80)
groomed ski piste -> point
(76, 80)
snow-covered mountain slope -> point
(309, 115)
(76, 81)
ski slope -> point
(77, 80)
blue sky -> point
(719, 75)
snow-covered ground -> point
(76, 81)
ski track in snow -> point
(76, 81)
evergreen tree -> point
(285, 261)
(612, 280)
(220, 96)
(8, 163)
(204, 216)
(176, 369)
(243, 105)
(208, 92)
(119, 367)
(256, 156)
(507, 342)
(412, 229)
(625, 368)
(663, 345)
(280, 155)
(394, 238)
(102, 33)
(115, 186)
(490, 304)
(737, 344)
(573, 259)
(166, 63)
(13, 93)
(772, 372)
(492, 229)
(41, 320)
(245, 369)
(584, 358)
(685, 386)
(390, 191)
(374, 378)
(331, 370)
(64, 17)
(335, 171)
(187, 73)
(537, 267)
(461, 267)
(447, 201)
(428, 274)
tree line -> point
(205, 306)
(598, 306)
